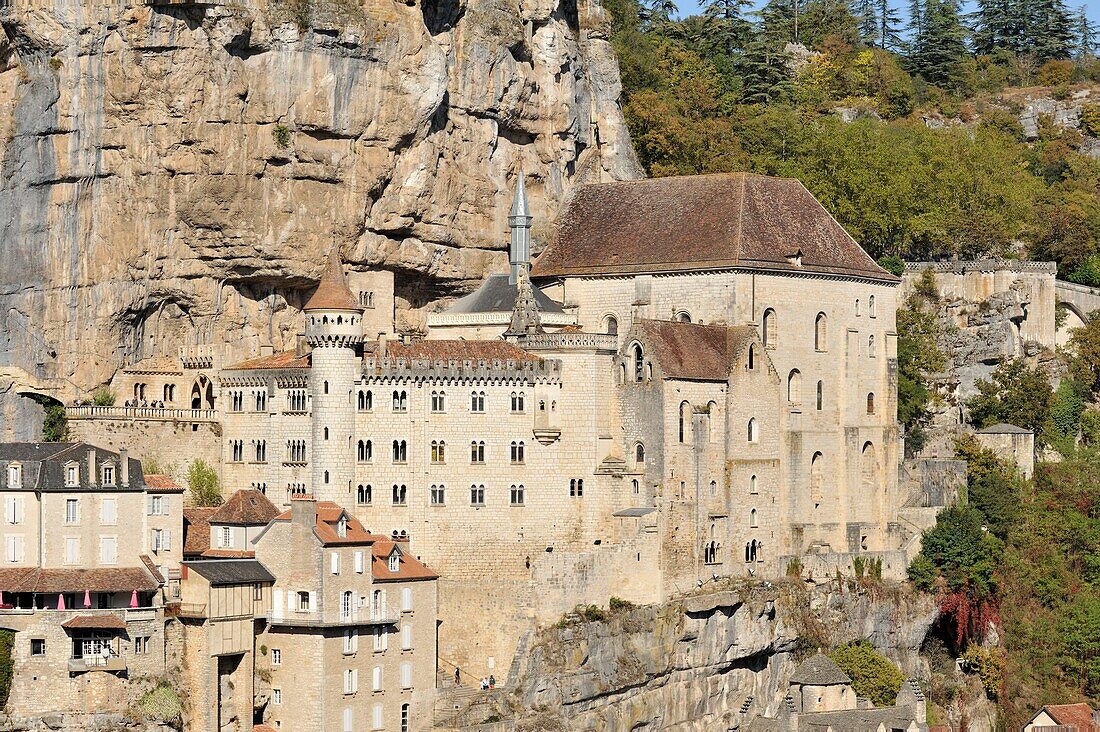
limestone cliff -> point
(174, 171)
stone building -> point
(696, 378)
(351, 636)
(92, 549)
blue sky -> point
(691, 7)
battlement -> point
(423, 369)
(983, 265)
(566, 341)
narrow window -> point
(770, 336)
(752, 519)
(752, 486)
(871, 346)
(684, 407)
(819, 332)
(871, 403)
(611, 325)
(752, 357)
(871, 306)
(639, 453)
(752, 430)
(794, 387)
(820, 395)
(517, 495)
(639, 362)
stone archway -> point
(202, 393)
(1074, 319)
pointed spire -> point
(332, 292)
(525, 313)
(519, 221)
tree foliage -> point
(1016, 394)
(873, 676)
(203, 483)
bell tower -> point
(334, 330)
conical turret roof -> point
(333, 293)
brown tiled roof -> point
(246, 507)
(262, 728)
(282, 360)
(701, 222)
(101, 579)
(458, 350)
(96, 622)
(1075, 716)
(411, 568)
(228, 554)
(152, 568)
(328, 515)
(333, 292)
(157, 483)
(196, 530)
(693, 351)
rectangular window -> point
(141, 645)
(38, 646)
(156, 505)
(349, 720)
(303, 601)
(351, 681)
(257, 591)
(227, 537)
(351, 640)
(406, 599)
(377, 678)
(156, 541)
(15, 510)
(15, 548)
(380, 639)
(406, 676)
(334, 562)
(108, 550)
(108, 512)
(108, 475)
(406, 637)
(72, 550)
(72, 510)
(276, 657)
(376, 717)
(359, 562)
(276, 696)
(72, 476)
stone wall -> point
(173, 445)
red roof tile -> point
(693, 351)
(1075, 716)
(96, 622)
(701, 222)
(246, 507)
(283, 360)
(328, 516)
(332, 293)
(228, 554)
(196, 530)
(115, 579)
(410, 569)
(157, 483)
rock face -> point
(704, 663)
(174, 172)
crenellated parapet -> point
(983, 265)
(468, 371)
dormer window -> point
(342, 527)
(108, 475)
(15, 475)
(72, 475)
(395, 562)
(795, 259)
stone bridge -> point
(21, 398)
(1080, 302)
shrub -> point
(55, 427)
(592, 613)
(876, 569)
(873, 676)
(794, 567)
(859, 566)
(1087, 272)
(617, 603)
(893, 264)
(1055, 73)
(203, 484)
(103, 397)
(989, 665)
(1089, 119)
(282, 137)
(7, 665)
(161, 703)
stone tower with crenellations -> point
(334, 330)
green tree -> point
(1084, 35)
(873, 676)
(993, 488)
(55, 426)
(964, 554)
(1083, 352)
(1050, 31)
(732, 30)
(939, 53)
(918, 358)
(1016, 394)
(103, 397)
(203, 483)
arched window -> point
(752, 519)
(364, 450)
(439, 495)
(400, 452)
(871, 403)
(871, 306)
(752, 357)
(857, 308)
(794, 387)
(871, 346)
(714, 487)
(683, 317)
(399, 495)
(439, 452)
(639, 362)
(326, 387)
(817, 478)
(684, 411)
(637, 486)
(868, 467)
(439, 401)
(611, 325)
(326, 433)
(517, 452)
(820, 394)
(363, 495)
(770, 335)
(326, 477)
(752, 486)
(753, 431)
(477, 451)
(639, 453)
(820, 332)
(477, 401)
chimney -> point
(268, 350)
(91, 466)
(303, 511)
(382, 347)
(124, 467)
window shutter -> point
(378, 678)
(382, 606)
(348, 720)
(334, 561)
(377, 720)
(355, 680)
(406, 599)
(385, 641)
(291, 601)
(167, 541)
(19, 548)
(359, 562)
(312, 601)
(406, 637)
(406, 676)
(11, 511)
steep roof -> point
(1074, 716)
(325, 527)
(196, 530)
(498, 295)
(157, 483)
(695, 352)
(410, 569)
(44, 466)
(682, 223)
(281, 360)
(246, 507)
(1003, 428)
(458, 350)
(819, 670)
(230, 571)
(332, 292)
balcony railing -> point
(164, 414)
(315, 619)
(96, 663)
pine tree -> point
(916, 24)
(989, 25)
(939, 54)
(732, 28)
(779, 21)
(1050, 31)
(763, 70)
(661, 11)
(866, 12)
(1084, 44)
(889, 23)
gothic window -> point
(714, 487)
(871, 403)
(518, 404)
(753, 490)
(817, 478)
(639, 453)
(871, 346)
(611, 325)
(399, 495)
(636, 486)
(710, 552)
(794, 387)
(260, 401)
(364, 451)
(771, 336)
(439, 452)
(752, 357)
(439, 401)
(261, 451)
(439, 495)
(753, 432)
(363, 495)
(477, 452)
(576, 487)
(639, 362)
(868, 465)
(326, 434)
(238, 450)
(857, 308)
(365, 402)
(517, 449)
(684, 411)
(400, 451)
(820, 395)
(820, 332)
(752, 519)
(325, 386)
(477, 495)
(871, 306)
(477, 401)
(296, 400)
(400, 401)
(326, 477)
(169, 393)
(236, 401)
(517, 495)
